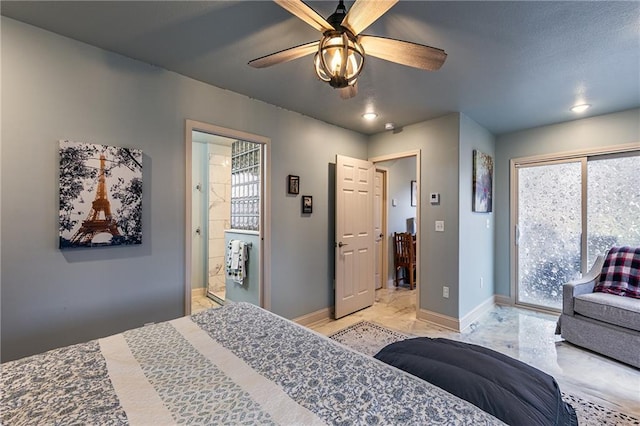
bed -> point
(238, 364)
(511, 390)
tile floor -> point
(200, 302)
(523, 334)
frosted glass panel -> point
(613, 206)
(549, 227)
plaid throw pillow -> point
(621, 272)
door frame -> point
(205, 229)
(265, 216)
(417, 153)
(385, 225)
(514, 163)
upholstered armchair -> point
(599, 320)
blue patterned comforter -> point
(234, 365)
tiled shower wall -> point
(219, 214)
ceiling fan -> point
(339, 54)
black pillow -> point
(510, 390)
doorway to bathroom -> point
(225, 221)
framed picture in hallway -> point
(307, 204)
(293, 184)
(482, 182)
(100, 193)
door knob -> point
(198, 231)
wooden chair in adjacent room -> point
(404, 257)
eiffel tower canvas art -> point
(100, 195)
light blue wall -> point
(400, 174)
(56, 88)
(302, 249)
(605, 130)
(476, 239)
(438, 141)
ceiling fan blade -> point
(404, 52)
(349, 91)
(304, 12)
(364, 13)
(285, 55)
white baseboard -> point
(477, 312)
(440, 320)
(436, 318)
(316, 316)
(456, 324)
(201, 291)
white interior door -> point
(355, 285)
(378, 232)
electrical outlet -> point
(445, 292)
(481, 282)
(439, 225)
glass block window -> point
(245, 185)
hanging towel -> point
(236, 260)
(235, 253)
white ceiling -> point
(511, 65)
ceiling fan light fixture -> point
(339, 59)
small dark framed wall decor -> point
(307, 204)
(293, 184)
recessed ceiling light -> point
(370, 116)
(389, 126)
(580, 108)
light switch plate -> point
(439, 225)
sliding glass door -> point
(567, 212)
(613, 203)
(548, 234)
